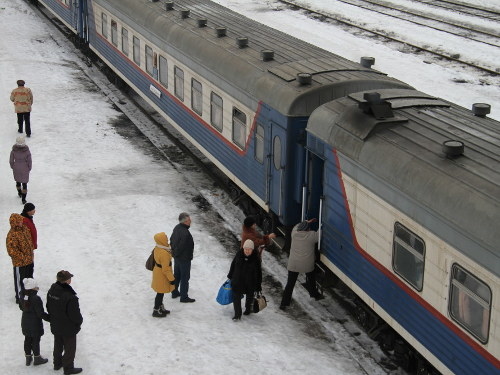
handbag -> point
(150, 263)
(259, 302)
(225, 295)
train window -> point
(216, 107)
(277, 152)
(259, 143)
(114, 32)
(137, 50)
(125, 41)
(470, 302)
(196, 96)
(104, 25)
(408, 256)
(179, 82)
(239, 127)
(163, 71)
(149, 59)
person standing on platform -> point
(163, 277)
(22, 97)
(27, 214)
(182, 245)
(20, 162)
(65, 322)
(20, 249)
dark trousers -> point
(32, 344)
(24, 117)
(158, 300)
(182, 273)
(237, 303)
(66, 344)
(21, 273)
(290, 284)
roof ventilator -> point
(304, 78)
(185, 13)
(220, 31)
(267, 55)
(202, 22)
(242, 41)
(481, 109)
(380, 109)
(367, 62)
(453, 148)
(169, 5)
(154, 1)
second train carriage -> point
(412, 230)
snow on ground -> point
(100, 198)
(461, 86)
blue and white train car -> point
(72, 13)
(229, 85)
(410, 221)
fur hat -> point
(248, 244)
(21, 141)
(303, 226)
(28, 207)
(63, 276)
(20, 82)
(30, 284)
(249, 221)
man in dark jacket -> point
(181, 242)
(65, 322)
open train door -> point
(312, 191)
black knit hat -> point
(249, 221)
(28, 207)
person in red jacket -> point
(249, 232)
(27, 214)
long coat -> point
(19, 243)
(162, 271)
(64, 310)
(22, 98)
(245, 273)
(20, 162)
(33, 313)
(302, 249)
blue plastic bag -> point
(225, 295)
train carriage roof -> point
(406, 152)
(220, 60)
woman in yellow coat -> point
(163, 277)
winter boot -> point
(159, 313)
(163, 309)
(23, 196)
(19, 192)
(29, 358)
(72, 370)
(39, 360)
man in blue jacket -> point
(65, 322)
(181, 242)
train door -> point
(276, 175)
(313, 188)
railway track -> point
(463, 7)
(460, 30)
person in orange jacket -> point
(22, 97)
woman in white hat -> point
(31, 322)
